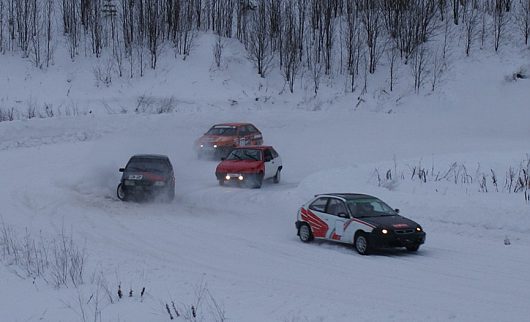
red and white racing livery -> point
(357, 219)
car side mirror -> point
(268, 159)
(223, 158)
(343, 215)
(396, 210)
(122, 169)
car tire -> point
(413, 247)
(277, 177)
(221, 182)
(305, 233)
(361, 244)
(121, 194)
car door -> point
(338, 212)
(317, 217)
(270, 164)
(277, 161)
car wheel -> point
(413, 247)
(305, 234)
(277, 177)
(361, 244)
(221, 182)
(122, 195)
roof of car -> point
(255, 147)
(349, 196)
(232, 124)
(150, 156)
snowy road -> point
(242, 242)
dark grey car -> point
(147, 176)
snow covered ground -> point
(240, 245)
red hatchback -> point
(222, 138)
(250, 165)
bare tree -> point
(392, 56)
(290, 38)
(353, 44)
(470, 16)
(500, 19)
(522, 17)
(370, 16)
(419, 60)
(456, 10)
(258, 39)
(218, 50)
(2, 8)
(153, 30)
(71, 25)
(437, 69)
(328, 32)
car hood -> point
(146, 176)
(235, 166)
(392, 222)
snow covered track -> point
(242, 242)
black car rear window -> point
(148, 165)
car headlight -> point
(227, 177)
(384, 231)
(240, 178)
(160, 183)
(418, 229)
(215, 146)
(202, 145)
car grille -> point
(404, 231)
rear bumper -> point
(145, 190)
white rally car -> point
(358, 219)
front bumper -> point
(393, 239)
(235, 176)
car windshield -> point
(147, 165)
(369, 207)
(245, 154)
(222, 130)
